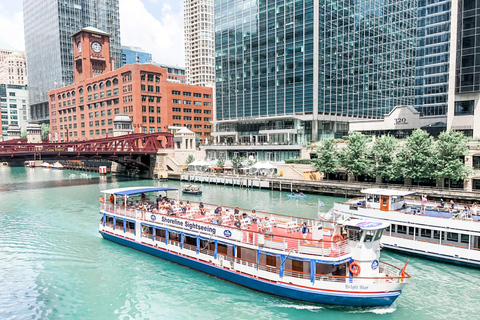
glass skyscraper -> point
(48, 44)
(132, 55)
(293, 71)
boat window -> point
(118, 223)
(464, 238)
(109, 220)
(246, 254)
(376, 198)
(369, 235)
(378, 235)
(436, 234)
(191, 241)
(426, 233)
(451, 236)
(329, 269)
(411, 230)
(369, 198)
(174, 236)
(130, 225)
(224, 249)
(268, 260)
(354, 235)
(388, 229)
(207, 245)
(160, 233)
(384, 201)
(147, 232)
(401, 229)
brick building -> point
(86, 109)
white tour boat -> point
(46, 165)
(57, 165)
(259, 250)
(437, 233)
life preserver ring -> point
(354, 268)
(153, 217)
(337, 237)
(101, 199)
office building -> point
(13, 106)
(174, 73)
(199, 42)
(12, 65)
(132, 55)
(86, 109)
(48, 46)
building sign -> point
(398, 121)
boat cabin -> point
(385, 199)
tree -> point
(24, 134)
(220, 162)
(418, 156)
(190, 159)
(237, 163)
(326, 157)
(451, 147)
(45, 131)
(356, 157)
(383, 152)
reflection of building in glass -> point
(132, 55)
(48, 45)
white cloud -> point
(11, 24)
(164, 40)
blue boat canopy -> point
(135, 190)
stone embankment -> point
(348, 189)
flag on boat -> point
(320, 203)
(402, 272)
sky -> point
(154, 25)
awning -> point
(135, 190)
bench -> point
(274, 244)
(309, 249)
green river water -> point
(55, 265)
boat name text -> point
(189, 225)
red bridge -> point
(133, 150)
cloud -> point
(163, 39)
(11, 24)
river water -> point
(55, 265)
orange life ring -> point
(101, 199)
(337, 237)
(354, 268)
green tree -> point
(45, 130)
(220, 162)
(326, 157)
(418, 156)
(384, 155)
(237, 163)
(24, 134)
(190, 159)
(452, 146)
(356, 156)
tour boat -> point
(192, 189)
(434, 234)
(242, 247)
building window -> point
(151, 119)
(197, 95)
(176, 93)
(159, 120)
(144, 119)
(188, 118)
(187, 94)
(151, 109)
(207, 111)
(176, 101)
(144, 108)
(464, 108)
(176, 109)
(197, 111)
(142, 77)
(187, 110)
(197, 103)
(189, 102)
(177, 117)
(197, 118)
(142, 87)
(207, 119)
(207, 96)
(207, 104)
(150, 77)
(158, 109)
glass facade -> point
(433, 47)
(132, 55)
(49, 47)
(286, 59)
(468, 48)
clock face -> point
(79, 47)
(96, 47)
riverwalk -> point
(345, 189)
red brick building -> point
(86, 109)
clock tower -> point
(91, 50)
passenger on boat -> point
(143, 196)
(441, 205)
(236, 211)
(254, 216)
(188, 206)
(238, 224)
(137, 204)
(112, 198)
(170, 211)
(452, 206)
(424, 204)
(201, 208)
(474, 209)
(218, 210)
(305, 231)
(244, 215)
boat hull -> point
(192, 192)
(271, 287)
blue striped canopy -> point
(135, 190)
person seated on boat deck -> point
(188, 206)
(182, 207)
(236, 211)
(218, 210)
(452, 206)
(254, 216)
(238, 223)
(170, 211)
(201, 208)
(441, 205)
(474, 209)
